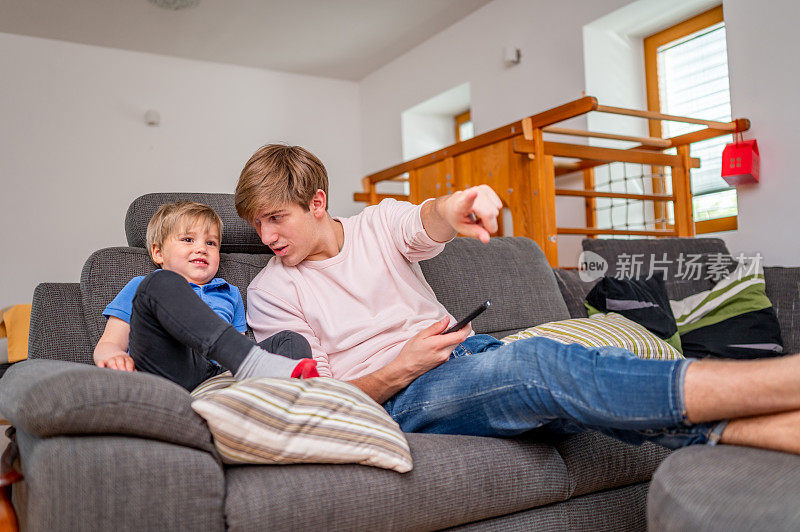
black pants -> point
(174, 334)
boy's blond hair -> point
(172, 218)
(276, 175)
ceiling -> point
(345, 39)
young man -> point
(353, 288)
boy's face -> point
(293, 232)
(192, 252)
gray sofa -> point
(108, 450)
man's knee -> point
(543, 355)
(287, 343)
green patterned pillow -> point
(735, 319)
(601, 330)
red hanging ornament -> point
(740, 161)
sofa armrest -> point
(117, 483)
(48, 398)
(58, 328)
(783, 289)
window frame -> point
(651, 45)
(459, 119)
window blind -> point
(693, 81)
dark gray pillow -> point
(237, 235)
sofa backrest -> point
(681, 279)
(511, 271)
(620, 255)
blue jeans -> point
(490, 389)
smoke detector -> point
(174, 5)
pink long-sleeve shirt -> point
(358, 308)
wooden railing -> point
(521, 167)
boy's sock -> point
(260, 363)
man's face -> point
(192, 252)
(291, 232)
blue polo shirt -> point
(223, 298)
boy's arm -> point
(239, 315)
(112, 349)
(471, 212)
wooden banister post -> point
(369, 188)
(682, 190)
(543, 200)
(591, 214)
(659, 187)
(413, 187)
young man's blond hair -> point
(276, 175)
(172, 218)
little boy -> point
(182, 322)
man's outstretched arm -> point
(471, 212)
(423, 352)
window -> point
(687, 74)
(463, 123)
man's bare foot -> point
(778, 432)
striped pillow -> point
(602, 330)
(288, 421)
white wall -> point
(764, 72)
(429, 126)
(74, 148)
(764, 75)
(551, 73)
(424, 133)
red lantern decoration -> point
(740, 162)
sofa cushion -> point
(725, 487)
(602, 330)
(511, 271)
(108, 270)
(237, 235)
(597, 462)
(287, 421)
(669, 255)
(612, 510)
(456, 479)
(49, 398)
(104, 274)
